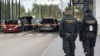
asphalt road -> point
(25, 43)
(56, 48)
(35, 44)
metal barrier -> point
(30, 24)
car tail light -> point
(48, 25)
(16, 26)
(40, 24)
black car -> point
(27, 22)
(47, 24)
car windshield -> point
(11, 22)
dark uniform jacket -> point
(87, 22)
(68, 25)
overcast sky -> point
(28, 3)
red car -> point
(12, 26)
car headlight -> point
(4, 26)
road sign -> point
(62, 6)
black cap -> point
(88, 11)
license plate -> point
(9, 29)
(46, 28)
(47, 25)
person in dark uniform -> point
(88, 33)
(68, 32)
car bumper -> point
(10, 30)
(46, 28)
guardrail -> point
(30, 24)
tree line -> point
(11, 10)
(15, 10)
(41, 11)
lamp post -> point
(48, 9)
(16, 9)
(19, 8)
(52, 8)
(8, 9)
(70, 4)
(5, 9)
(0, 11)
(35, 11)
(62, 8)
(39, 10)
(12, 10)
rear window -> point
(48, 21)
(11, 22)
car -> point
(27, 22)
(12, 26)
(47, 24)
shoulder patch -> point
(70, 21)
(90, 21)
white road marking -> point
(49, 34)
(29, 34)
(43, 54)
(19, 34)
(39, 34)
(9, 35)
(1, 35)
(25, 45)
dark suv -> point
(47, 24)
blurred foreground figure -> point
(88, 33)
(68, 32)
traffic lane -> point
(56, 48)
(11, 35)
(14, 35)
(97, 47)
(98, 29)
(27, 44)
